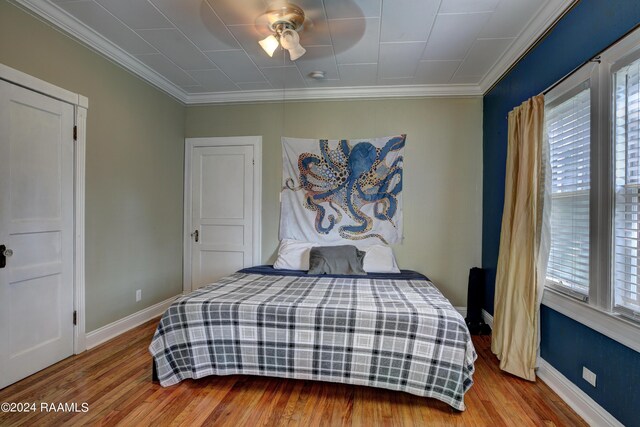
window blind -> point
(627, 189)
(568, 130)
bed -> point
(393, 331)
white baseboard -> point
(488, 319)
(118, 327)
(578, 400)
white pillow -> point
(379, 259)
(293, 255)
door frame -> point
(189, 145)
(80, 104)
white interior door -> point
(221, 211)
(36, 227)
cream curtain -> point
(524, 242)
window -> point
(569, 135)
(593, 150)
(627, 189)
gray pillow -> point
(346, 259)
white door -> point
(36, 228)
(221, 212)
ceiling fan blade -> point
(237, 12)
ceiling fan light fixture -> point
(289, 39)
(284, 20)
(297, 52)
(269, 44)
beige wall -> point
(442, 175)
(134, 168)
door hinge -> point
(75, 133)
(75, 317)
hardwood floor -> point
(114, 379)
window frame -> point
(597, 312)
(584, 76)
(624, 59)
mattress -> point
(393, 331)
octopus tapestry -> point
(347, 189)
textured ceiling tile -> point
(317, 34)
(213, 80)
(436, 72)
(356, 40)
(198, 21)
(287, 77)
(399, 60)
(453, 35)
(96, 17)
(177, 48)
(358, 74)
(318, 58)
(316, 30)
(482, 56)
(234, 12)
(280, 58)
(510, 18)
(340, 9)
(237, 65)
(468, 6)
(168, 69)
(137, 14)
(407, 20)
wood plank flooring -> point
(114, 379)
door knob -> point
(196, 236)
(8, 252)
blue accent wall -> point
(568, 346)
(586, 30)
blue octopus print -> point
(347, 178)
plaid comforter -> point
(394, 334)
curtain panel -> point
(524, 242)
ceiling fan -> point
(284, 20)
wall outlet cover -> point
(589, 376)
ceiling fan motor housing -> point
(285, 16)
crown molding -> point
(335, 93)
(535, 29)
(78, 30)
(89, 37)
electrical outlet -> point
(138, 295)
(589, 376)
